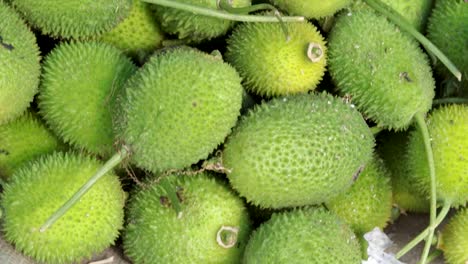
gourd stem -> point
(172, 195)
(221, 14)
(407, 248)
(109, 165)
(400, 21)
(450, 100)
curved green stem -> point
(221, 14)
(171, 193)
(450, 100)
(400, 21)
(442, 214)
(109, 165)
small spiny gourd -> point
(213, 226)
(297, 150)
(24, 139)
(193, 27)
(311, 8)
(454, 238)
(385, 73)
(79, 83)
(37, 189)
(19, 65)
(73, 18)
(304, 235)
(447, 127)
(272, 65)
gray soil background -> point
(402, 231)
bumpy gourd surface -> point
(138, 34)
(79, 84)
(178, 108)
(270, 65)
(303, 236)
(37, 190)
(448, 29)
(154, 234)
(455, 238)
(385, 72)
(392, 147)
(311, 8)
(73, 18)
(22, 140)
(19, 65)
(297, 150)
(192, 27)
(448, 128)
(368, 203)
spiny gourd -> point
(178, 108)
(73, 18)
(448, 29)
(272, 65)
(447, 128)
(309, 235)
(193, 27)
(89, 227)
(79, 84)
(392, 146)
(19, 65)
(213, 228)
(297, 150)
(311, 8)
(386, 73)
(138, 35)
(368, 203)
(24, 139)
(454, 238)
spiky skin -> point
(74, 18)
(154, 233)
(303, 236)
(178, 108)
(368, 203)
(392, 147)
(21, 140)
(139, 34)
(88, 227)
(448, 29)
(297, 150)
(386, 73)
(454, 238)
(311, 8)
(193, 27)
(272, 66)
(19, 65)
(79, 84)
(447, 128)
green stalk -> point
(434, 255)
(109, 165)
(400, 21)
(221, 14)
(450, 100)
(171, 193)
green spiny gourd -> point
(73, 18)
(392, 146)
(19, 65)
(139, 34)
(79, 84)
(368, 203)
(448, 29)
(311, 8)
(454, 238)
(297, 150)
(386, 73)
(178, 108)
(194, 27)
(89, 227)
(24, 139)
(308, 235)
(213, 226)
(447, 128)
(272, 65)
